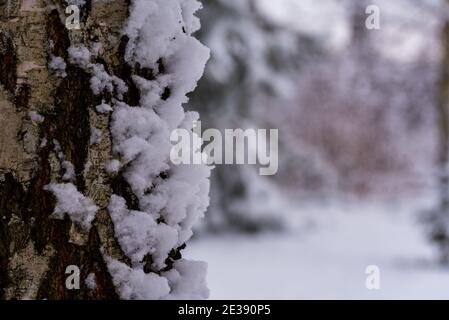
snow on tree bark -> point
(126, 211)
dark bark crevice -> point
(124, 71)
(121, 188)
(11, 202)
(87, 258)
(8, 62)
(58, 35)
(74, 98)
(22, 97)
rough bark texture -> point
(35, 249)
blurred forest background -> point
(363, 119)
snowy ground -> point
(329, 260)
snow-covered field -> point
(327, 258)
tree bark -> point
(35, 249)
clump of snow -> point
(103, 108)
(140, 138)
(44, 143)
(95, 48)
(58, 65)
(182, 199)
(134, 284)
(69, 171)
(162, 29)
(87, 166)
(187, 280)
(80, 209)
(95, 136)
(91, 282)
(79, 56)
(139, 234)
(36, 117)
(67, 166)
(113, 166)
(101, 80)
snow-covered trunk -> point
(85, 175)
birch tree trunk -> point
(45, 116)
(34, 249)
